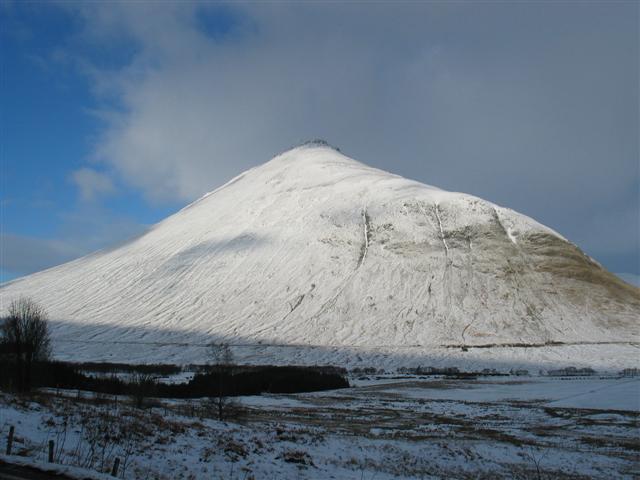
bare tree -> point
(221, 364)
(143, 386)
(25, 334)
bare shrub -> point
(535, 458)
(297, 456)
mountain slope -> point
(314, 248)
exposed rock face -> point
(314, 248)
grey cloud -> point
(630, 278)
(530, 105)
(23, 254)
(82, 231)
(92, 184)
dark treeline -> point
(110, 367)
(240, 380)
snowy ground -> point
(603, 393)
(504, 427)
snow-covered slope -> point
(315, 249)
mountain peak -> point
(316, 150)
(310, 158)
(317, 143)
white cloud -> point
(533, 106)
(92, 184)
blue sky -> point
(116, 114)
(50, 123)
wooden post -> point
(116, 464)
(12, 430)
(50, 451)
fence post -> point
(50, 451)
(12, 430)
(116, 464)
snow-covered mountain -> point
(320, 254)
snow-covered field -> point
(413, 427)
(609, 358)
(621, 394)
